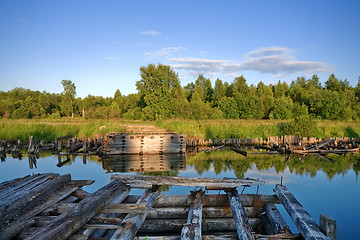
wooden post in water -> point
(328, 226)
(302, 219)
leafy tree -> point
(68, 98)
(206, 87)
(155, 88)
(229, 108)
(219, 92)
(282, 108)
(265, 100)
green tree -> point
(219, 92)
(68, 98)
(155, 88)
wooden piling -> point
(301, 218)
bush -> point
(301, 126)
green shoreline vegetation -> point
(48, 130)
(226, 110)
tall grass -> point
(218, 129)
(48, 130)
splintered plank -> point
(243, 227)
(70, 221)
(214, 183)
(192, 228)
(302, 219)
(132, 223)
(277, 222)
(210, 200)
(25, 219)
(29, 193)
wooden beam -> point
(69, 222)
(26, 195)
(210, 200)
(132, 223)
(136, 181)
(23, 220)
(160, 226)
(277, 222)
(243, 227)
(302, 219)
(328, 226)
(192, 228)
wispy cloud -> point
(144, 44)
(164, 52)
(20, 20)
(270, 60)
(111, 58)
(152, 33)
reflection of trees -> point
(224, 161)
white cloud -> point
(111, 58)
(144, 44)
(152, 33)
(164, 52)
(271, 60)
(20, 20)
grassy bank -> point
(207, 129)
(219, 129)
(50, 129)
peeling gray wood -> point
(277, 222)
(132, 223)
(192, 228)
(22, 221)
(25, 196)
(302, 219)
(210, 200)
(157, 226)
(136, 181)
(328, 226)
(69, 222)
(243, 227)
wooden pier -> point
(156, 143)
(51, 206)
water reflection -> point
(223, 161)
(144, 163)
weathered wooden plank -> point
(11, 187)
(192, 228)
(155, 226)
(302, 219)
(279, 237)
(23, 220)
(70, 221)
(97, 233)
(28, 197)
(113, 208)
(243, 227)
(132, 223)
(210, 200)
(277, 222)
(136, 181)
(328, 226)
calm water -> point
(322, 185)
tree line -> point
(161, 96)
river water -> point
(328, 185)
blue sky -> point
(100, 45)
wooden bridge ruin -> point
(52, 206)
